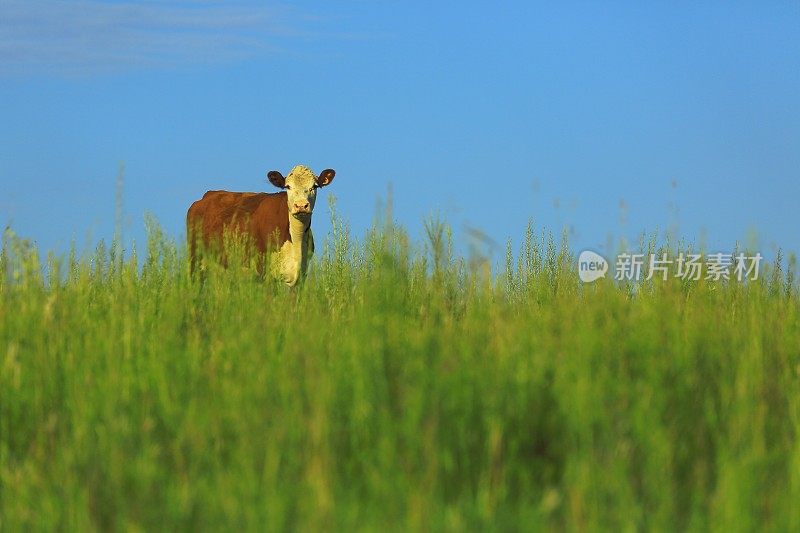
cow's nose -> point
(303, 206)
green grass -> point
(399, 388)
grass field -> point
(399, 388)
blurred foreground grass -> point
(399, 388)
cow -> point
(276, 225)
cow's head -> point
(301, 188)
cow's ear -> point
(326, 177)
(277, 179)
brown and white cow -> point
(278, 224)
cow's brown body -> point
(262, 218)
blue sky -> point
(608, 118)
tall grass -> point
(399, 387)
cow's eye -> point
(288, 187)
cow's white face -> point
(301, 188)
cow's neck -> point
(297, 231)
(296, 251)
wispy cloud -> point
(81, 36)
